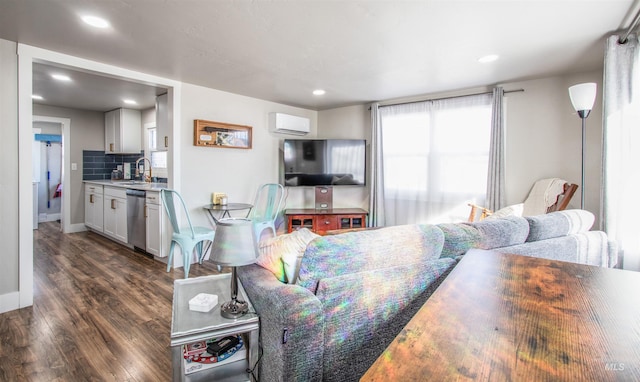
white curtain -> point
(495, 181)
(621, 148)
(376, 199)
(430, 159)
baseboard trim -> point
(79, 227)
(9, 302)
(45, 217)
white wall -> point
(236, 172)
(9, 271)
(544, 138)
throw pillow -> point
(269, 257)
(559, 223)
(293, 257)
(282, 254)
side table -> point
(189, 326)
(225, 209)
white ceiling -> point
(90, 91)
(358, 51)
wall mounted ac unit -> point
(289, 124)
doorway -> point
(48, 170)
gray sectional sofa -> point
(357, 290)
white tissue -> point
(203, 302)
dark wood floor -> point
(100, 312)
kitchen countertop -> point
(131, 184)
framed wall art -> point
(219, 134)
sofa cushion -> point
(590, 248)
(559, 223)
(352, 252)
(486, 234)
(282, 254)
(510, 230)
(458, 238)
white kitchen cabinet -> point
(162, 122)
(122, 131)
(94, 207)
(115, 213)
(154, 214)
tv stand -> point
(322, 220)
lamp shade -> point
(583, 96)
(234, 243)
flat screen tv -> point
(324, 162)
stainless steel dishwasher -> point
(136, 220)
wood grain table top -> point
(502, 317)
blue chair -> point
(266, 208)
(188, 237)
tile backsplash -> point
(96, 165)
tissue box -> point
(203, 302)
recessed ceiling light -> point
(129, 102)
(488, 58)
(319, 92)
(61, 77)
(35, 96)
(96, 22)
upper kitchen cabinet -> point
(162, 122)
(122, 131)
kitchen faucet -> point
(146, 179)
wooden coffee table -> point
(502, 317)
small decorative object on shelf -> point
(216, 197)
(193, 349)
(218, 134)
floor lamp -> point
(582, 97)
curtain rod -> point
(633, 26)
(450, 97)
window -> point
(158, 158)
(152, 134)
(435, 158)
(159, 163)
